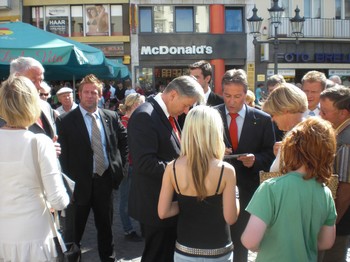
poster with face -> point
(97, 20)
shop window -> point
(163, 19)
(145, 15)
(57, 20)
(184, 19)
(38, 17)
(312, 8)
(342, 9)
(234, 19)
(202, 18)
(116, 20)
(77, 26)
(145, 76)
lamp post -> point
(276, 12)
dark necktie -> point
(96, 144)
(173, 124)
(234, 131)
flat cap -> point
(64, 90)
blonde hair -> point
(19, 102)
(91, 79)
(286, 97)
(130, 101)
(312, 144)
(315, 76)
(250, 98)
(202, 141)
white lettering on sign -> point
(177, 50)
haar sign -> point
(177, 50)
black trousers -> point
(101, 203)
(159, 243)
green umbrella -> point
(62, 58)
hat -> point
(64, 90)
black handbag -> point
(73, 253)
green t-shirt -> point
(294, 211)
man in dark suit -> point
(255, 137)
(153, 142)
(203, 71)
(93, 188)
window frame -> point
(191, 8)
(241, 9)
(151, 8)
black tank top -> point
(201, 224)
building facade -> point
(158, 39)
(324, 46)
(167, 36)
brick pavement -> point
(126, 251)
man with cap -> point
(65, 97)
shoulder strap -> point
(221, 173)
(37, 171)
(178, 189)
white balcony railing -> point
(316, 28)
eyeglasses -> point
(44, 94)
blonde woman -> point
(205, 187)
(25, 233)
(293, 216)
(286, 104)
(132, 101)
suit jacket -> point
(152, 143)
(77, 155)
(257, 137)
(48, 117)
(214, 99)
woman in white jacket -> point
(25, 233)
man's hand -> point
(247, 160)
(228, 151)
(57, 146)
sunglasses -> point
(44, 94)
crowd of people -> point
(186, 163)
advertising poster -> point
(97, 20)
(57, 20)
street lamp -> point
(297, 23)
(276, 12)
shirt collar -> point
(206, 95)
(84, 112)
(161, 103)
(241, 112)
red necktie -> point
(234, 131)
(173, 124)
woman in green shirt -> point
(293, 216)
